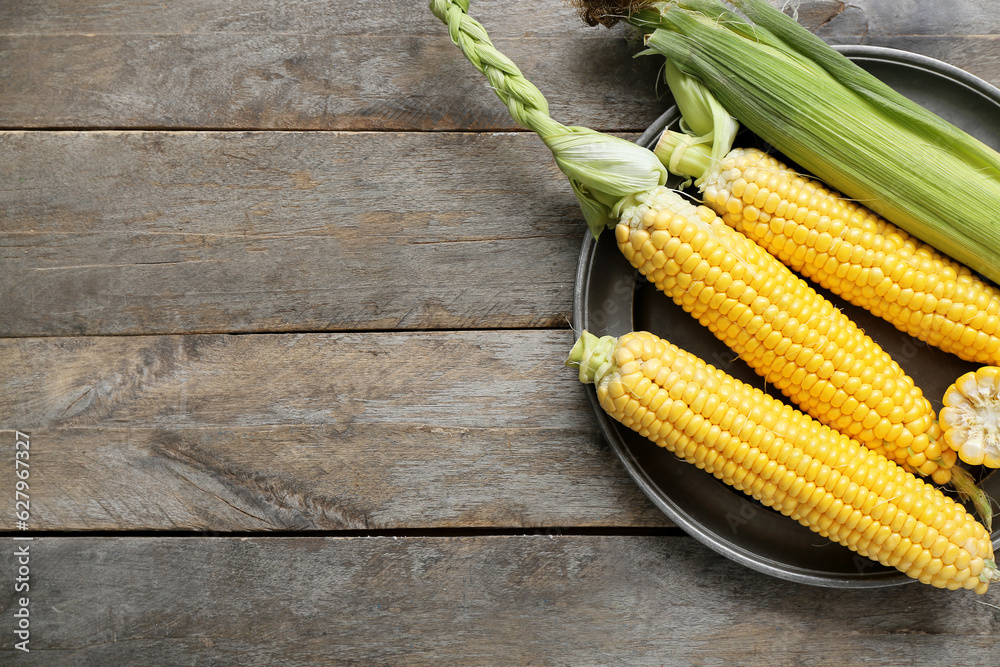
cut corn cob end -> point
(786, 460)
(970, 418)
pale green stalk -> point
(593, 356)
(602, 170)
(707, 129)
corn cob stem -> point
(601, 169)
(786, 460)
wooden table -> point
(285, 304)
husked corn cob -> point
(779, 325)
(849, 250)
(970, 417)
(786, 460)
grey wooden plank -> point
(164, 232)
(315, 65)
(899, 17)
(504, 17)
(303, 65)
(558, 599)
(265, 432)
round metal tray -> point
(611, 299)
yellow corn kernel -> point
(861, 251)
(761, 447)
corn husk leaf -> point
(606, 164)
(840, 123)
(707, 129)
(602, 169)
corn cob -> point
(786, 460)
(783, 329)
(970, 417)
(849, 250)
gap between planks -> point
(402, 533)
(297, 332)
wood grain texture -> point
(359, 220)
(360, 431)
(269, 64)
(532, 600)
(898, 18)
(163, 232)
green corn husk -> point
(707, 130)
(837, 121)
(604, 171)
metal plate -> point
(611, 299)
